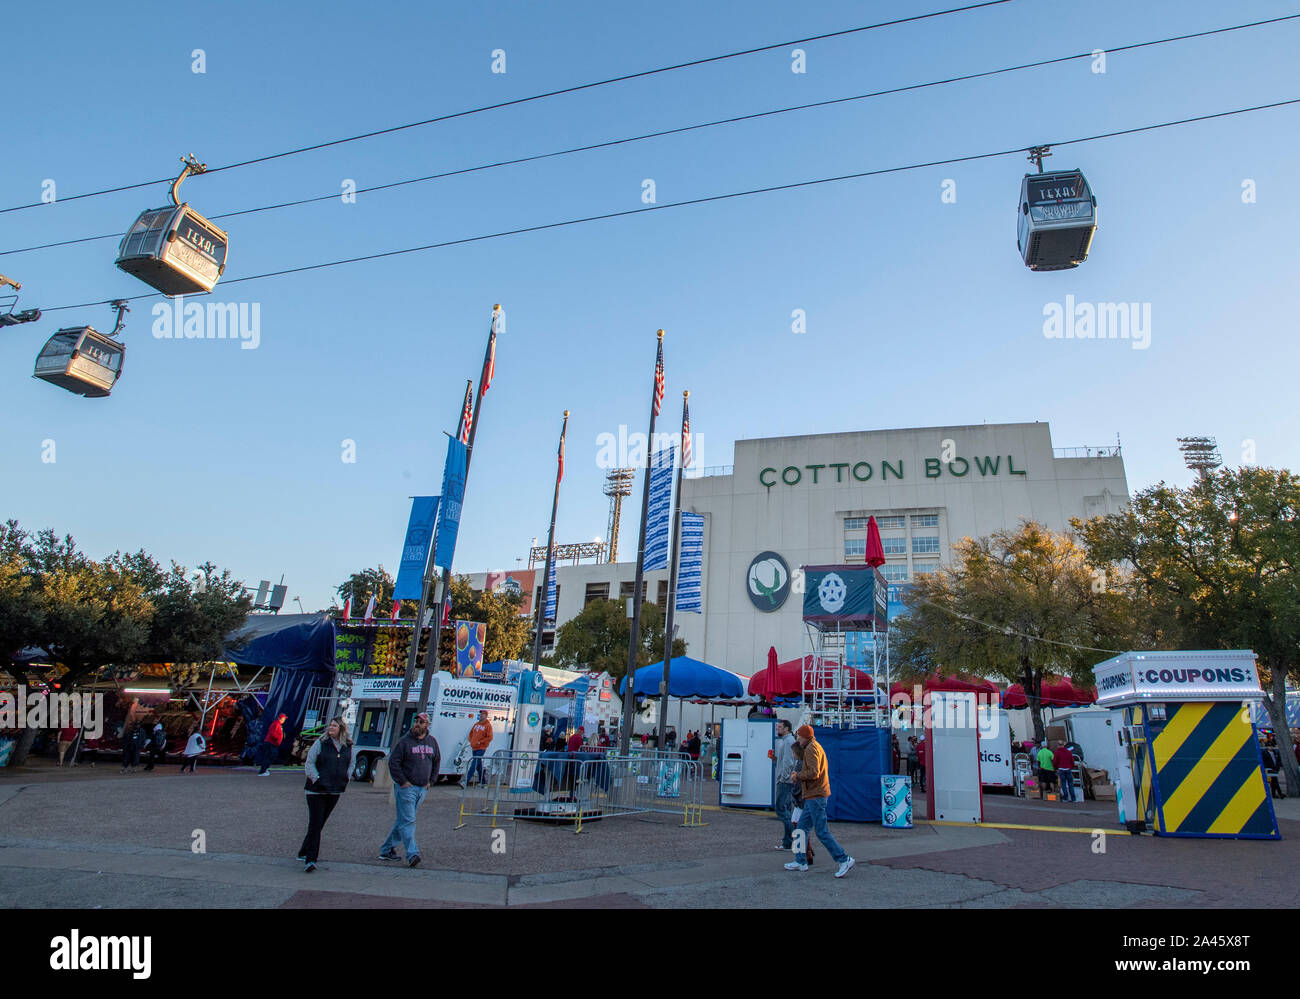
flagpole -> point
(672, 575)
(435, 632)
(634, 639)
(550, 548)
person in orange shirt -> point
(480, 737)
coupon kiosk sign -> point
(1194, 752)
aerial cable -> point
(685, 128)
(794, 185)
(526, 100)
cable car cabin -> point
(174, 249)
(81, 360)
(1057, 219)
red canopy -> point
(787, 679)
(973, 685)
(1060, 693)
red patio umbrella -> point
(875, 550)
(786, 679)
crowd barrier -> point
(583, 787)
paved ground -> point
(88, 838)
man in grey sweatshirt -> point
(413, 764)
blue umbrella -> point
(687, 678)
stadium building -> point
(792, 501)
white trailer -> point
(453, 708)
(995, 747)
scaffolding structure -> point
(846, 671)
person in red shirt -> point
(576, 740)
(270, 748)
(67, 736)
(1063, 760)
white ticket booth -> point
(952, 757)
(746, 769)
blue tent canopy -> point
(687, 677)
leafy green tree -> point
(597, 638)
(362, 584)
(507, 632)
(191, 616)
(1217, 562)
(21, 614)
(1018, 605)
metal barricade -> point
(581, 788)
(536, 786)
(640, 783)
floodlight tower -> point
(618, 483)
(1200, 454)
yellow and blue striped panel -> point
(1208, 780)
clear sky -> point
(919, 312)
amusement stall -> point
(1190, 743)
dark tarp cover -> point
(857, 758)
(300, 648)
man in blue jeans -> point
(816, 779)
(783, 763)
(413, 764)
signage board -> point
(1211, 675)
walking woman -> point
(329, 762)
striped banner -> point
(549, 614)
(1200, 773)
(659, 521)
(690, 563)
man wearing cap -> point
(413, 764)
(815, 778)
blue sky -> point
(919, 313)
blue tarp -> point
(300, 648)
(857, 758)
(687, 678)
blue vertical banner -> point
(690, 563)
(659, 520)
(415, 549)
(453, 495)
(549, 614)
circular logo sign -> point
(533, 719)
(832, 593)
(767, 581)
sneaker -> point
(845, 867)
(301, 857)
(413, 861)
(265, 773)
(390, 855)
(782, 848)
(794, 865)
(309, 868)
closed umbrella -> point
(875, 550)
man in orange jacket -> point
(480, 737)
(815, 778)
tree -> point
(507, 632)
(360, 585)
(1217, 563)
(597, 638)
(1021, 606)
(191, 617)
(20, 608)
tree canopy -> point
(597, 638)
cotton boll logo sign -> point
(767, 581)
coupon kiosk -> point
(1191, 746)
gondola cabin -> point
(175, 250)
(1057, 218)
(81, 360)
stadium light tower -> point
(1200, 454)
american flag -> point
(559, 475)
(659, 378)
(446, 611)
(467, 415)
(686, 433)
(490, 362)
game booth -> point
(1190, 743)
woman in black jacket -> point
(329, 762)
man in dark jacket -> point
(413, 764)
